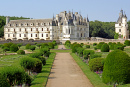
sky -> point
(102, 10)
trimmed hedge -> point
(32, 47)
(116, 68)
(94, 44)
(105, 48)
(99, 45)
(21, 52)
(127, 42)
(96, 64)
(14, 48)
(28, 46)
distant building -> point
(121, 26)
(65, 26)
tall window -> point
(42, 35)
(69, 31)
(24, 35)
(25, 29)
(19, 35)
(20, 29)
(13, 35)
(31, 29)
(8, 30)
(47, 29)
(119, 24)
(119, 30)
(31, 35)
(36, 35)
(42, 29)
(14, 30)
(8, 35)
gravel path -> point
(66, 73)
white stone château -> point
(121, 26)
(65, 26)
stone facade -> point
(65, 26)
(121, 26)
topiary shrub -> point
(19, 45)
(51, 45)
(37, 65)
(28, 46)
(87, 46)
(80, 51)
(43, 60)
(38, 45)
(127, 42)
(14, 75)
(44, 45)
(94, 44)
(99, 45)
(74, 47)
(14, 48)
(32, 47)
(67, 42)
(96, 64)
(21, 52)
(116, 68)
(105, 48)
(45, 51)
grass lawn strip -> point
(41, 78)
(93, 77)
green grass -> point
(93, 77)
(42, 78)
(56, 47)
(60, 50)
(66, 47)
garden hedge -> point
(105, 48)
(116, 68)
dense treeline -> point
(3, 21)
(97, 28)
(103, 29)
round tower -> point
(7, 19)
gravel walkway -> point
(66, 73)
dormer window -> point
(25, 24)
(44, 24)
(119, 24)
(31, 24)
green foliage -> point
(37, 67)
(92, 56)
(116, 36)
(94, 44)
(14, 75)
(112, 45)
(38, 45)
(3, 82)
(19, 45)
(105, 48)
(44, 45)
(87, 46)
(102, 29)
(116, 68)
(28, 46)
(67, 42)
(27, 63)
(51, 45)
(45, 51)
(80, 51)
(14, 48)
(35, 43)
(32, 47)
(119, 46)
(99, 45)
(21, 52)
(54, 42)
(87, 53)
(96, 64)
(127, 42)
(74, 47)
(82, 44)
(39, 56)
(5, 49)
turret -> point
(7, 19)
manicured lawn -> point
(60, 50)
(66, 47)
(42, 78)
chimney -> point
(7, 19)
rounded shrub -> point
(32, 47)
(67, 42)
(15, 75)
(21, 52)
(43, 60)
(127, 42)
(38, 45)
(87, 46)
(28, 46)
(99, 45)
(94, 44)
(96, 64)
(116, 68)
(14, 48)
(37, 65)
(51, 45)
(92, 56)
(105, 48)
